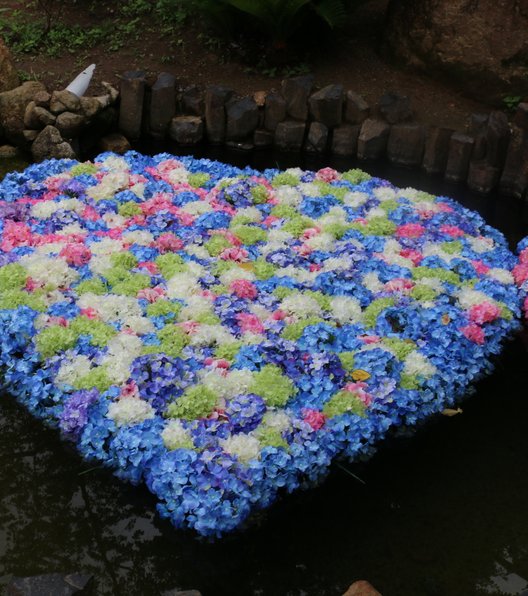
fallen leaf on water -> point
(451, 412)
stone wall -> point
(491, 153)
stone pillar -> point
(132, 92)
(162, 104)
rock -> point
(90, 106)
(186, 130)
(344, 140)
(480, 45)
(436, 150)
(477, 129)
(460, 150)
(395, 108)
(8, 73)
(215, 119)
(42, 99)
(326, 105)
(317, 138)
(8, 152)
(260, 98)
(289, 135)
(30, 135)
(42, 117)
(50, 144)
(497, 139)
(356, 108)
(405, 146)
(30, 121)
(192, 101)
(115, 142)
(362, 588)
(162, 104)
(242, 118)
(262, 138)
(296, 91)
(521, 116)
(51, 584)
(64, 101)
(514, 179)
(274, 111)
(372, 139)
(13, 107)
(69, 124)
(132, 91)
(482, 177)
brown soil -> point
(353, 59)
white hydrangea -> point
(106, 246)
(298, 172)
(383, 193)
(46, 270)
(468, 298)
(73, 368)
(183, 286)
(355, 199)
(372, 282)
(50, 248)
(123, 349)
(309, 189)
(111, 307)
(226, 386)
(196, 306)
(481, 244)
(417, 364)
(130, 410)
(178, 176)
(335, 215)
(337, 264)
(197, 207)
(198, 251)
(138, 189)
(375, 212)
(260, 311)
(301, 305)
(346, 309)
(277, 419)
(288, 195)
(297, 273)
(244, 447)
(175, 435)
(324, 242)
(115, 164)
(141, 237)
(100, 264)
(235, 273)
(250, 338)
(72, 228)
(433, 282)
(45, 209)
(139, 324)
(211, 335)
(502, 275)
(196, 269)
(109, 186)
(113, 220)
(431, 249)
(251, 213)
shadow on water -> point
(440, 514)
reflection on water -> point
(440, 514)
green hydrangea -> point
(92, 286)
(296, 225)
(228, 351)
(12, 277)
(344, 402)
(208, 318)
(12, 299)
(269, 436)
(337, 230)
(123, 260)
(196, 402)
(401, 347)
(322, 299)
(100, 333)
(172, 339)
(390, 205)
(347, 360)
(325, 188)
(55, 339)
(284, 211)
(131, 284)
(436, 273)
(83, 168)
(422, 292)
(379, 226)
(355, 176)
(282, 292)
(285, 179)
(129, 209)
(452, 247)
(409, 381)
(373, 310)
(250, 235)
(216, 245)
(169, 264)
(294, 331)
(162, 308)
(263, 269)
(273, 386)
(259, 193)
(198, 179)
(97, 378)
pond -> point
(439, 513)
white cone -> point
(80, 83)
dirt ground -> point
(353, 59)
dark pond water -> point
(440, 514)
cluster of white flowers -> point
(277, 419)
(481, 244)
(113, 220)
(296, 273)
(346, 309)
(287, 195)
(431, 249)
(335, 215)
(309, 189)
(197, 250)
(301, 305)
(324, 242)
(141, 237)
(355, 199)
(72, 228)
(375, 212)
(250, 213)
(211, 335)
(384, 193)
(391, 254)
(244, 447)
(45, 209)
(502, 275)
(114, 163)
(178, 176)
(130, 410)
(55, 272)
(372, 282)
(337, 264)
(73, 368)
(417, 364)
(235, 273)
(195, 306)
(51, 248)
(175, 435)
(106, 246)
(468, 297)
(113, 307)
(197, 207)
(183, 286)
(123, 349)
(112, 183)
(227, 385)
(277, 240)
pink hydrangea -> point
(89, 313)
(327, 175)
(370, 339)
(399, 285)
(243, 288)
(270, 220)
(151, 294)
(453, 231)
(520, 273)
(314, 418)
(310, 233)
(150, 266)
(410, 230)
(130, 390)
(359, 390)
(76, 254)
(168, 242)
(474, 333)
(234, 254)
(485, 312)
(15, 234)
(413, 255)
(480, 267)
(249, 323)
(90, 213)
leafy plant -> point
(511, 101)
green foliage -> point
(197, 402)
(273, 386)
(342, 402)
(55, 339)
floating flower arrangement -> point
(223, 334)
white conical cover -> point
(80, 83)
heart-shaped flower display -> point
(224, 334)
